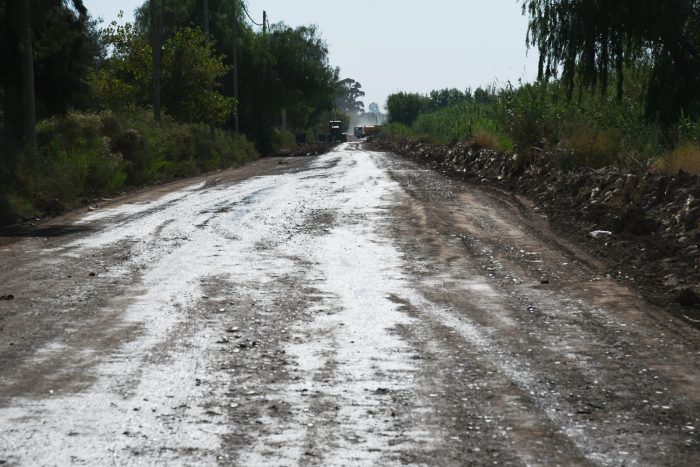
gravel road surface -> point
(346, 309)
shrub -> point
(75, 161)
(486, 139)
(591, 130)
(14, 207)
(526, 114)
(85, 155)
(405, 107)
(284, 140)
(685, 157)
(585, 146)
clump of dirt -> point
(653, 219)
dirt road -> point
(347, 309)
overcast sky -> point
(403, 45)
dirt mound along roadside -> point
(653, 219)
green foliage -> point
(449, 115)
(83, 155)
(287, 69)
(191, 75)
(689, 130)
(402, 131)
(594, 40)
(458, 122)
(64, 46)
(123, 81)
(349, 91)
(592, 130)
(527, 113)
(444, 97)
(285, 139)
(86, 155)
(405, 107)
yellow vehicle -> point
(372, 130)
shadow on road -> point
(23, 231)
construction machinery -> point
(336, 132)
(372, 130)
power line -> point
(249, 17)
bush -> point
(83, 156)
(486, 139)
(74, 162)
(592, 130)
(405, 107)
(686, 157)
(526, 114)
(402, 131)
(284, 140)
(584, 146)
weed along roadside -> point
(89, 156)
(653, 219)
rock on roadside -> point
(653, 219)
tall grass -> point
(591, 129)
(461, 121)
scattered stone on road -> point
(351, 308)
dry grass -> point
(583, 146)
(685, 157)
(486, 139)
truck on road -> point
(336, 132)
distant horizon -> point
(476, 45)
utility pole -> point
(155, 47)
(264, 22)
(236, 126)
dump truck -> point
(372, 130)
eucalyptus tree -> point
(349, 94)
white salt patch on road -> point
(357, 346)
(108, 424)
(179, 236)
(245, 233)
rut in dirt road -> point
(347, 309)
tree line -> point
(75, 95)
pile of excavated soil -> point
(646, 225)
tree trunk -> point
(155, 46)
(12, 83)
(206, 19)
(236, 122)
(27, 66)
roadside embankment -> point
(646, 225)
